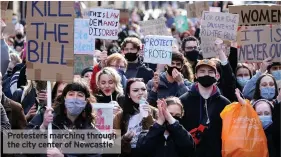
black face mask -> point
(206, 81)
(19, 36)
(192, 55)
(170, 70)
(131, 56)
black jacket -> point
(139, 70)
(227, 82)
(153, 143)
(102, 98)
(270, 144)
(276, 126)
(195, 114)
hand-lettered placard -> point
(83, 42)
(50, 27)
(158, 49)
(219, 25)
(256, 43)
(154, 27)
(252, 15)
(104, 116)
(195, 10)
(104, 23)
(209, 49)
(81, 62)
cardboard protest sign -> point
(104, 119)
(50, 27)
(104, 23)
(200, 7)
(4, 5)
(158, 49)
(219, 25)
(154, 27)
(81, 62)
(252, 15)
(181, 23)
(256, 43)
(83, 42)
(209, 49)
(196, 9)
(191, 11)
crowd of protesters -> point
(189, 93)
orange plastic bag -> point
(242, 132)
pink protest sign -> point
(104, 116)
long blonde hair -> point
(116, 78)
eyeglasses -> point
(191, 48)
(118, 67)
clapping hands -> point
(163, 113)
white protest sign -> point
(104, 113)
(214, 9)
(83, 42)
(256, 43)
(158, 49)
(219, 25)
(209, 48)
(104, 23)
(154, 27)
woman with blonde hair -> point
(109, 87)
(116, 61)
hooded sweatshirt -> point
(195, 114)
(166, 89)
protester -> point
(116, 61)
(190, 48)
(266, 88)
(264, 110)
(167, 137)
(202, 106)
(32, 97)
(87, 73)
(57, 89)
(130, 120)
(168, 83)
(73, 111)
(4, 52)
(226, 78)
(131, 47)
(243, 75)
(266, 66)
(19, 40)
(109, 87)
(13, 110)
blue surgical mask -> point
(75, 106)
(266, 121)
(242, 81)
(267, 92)
(14, 21)
(277, 75)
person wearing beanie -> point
(87, 73)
